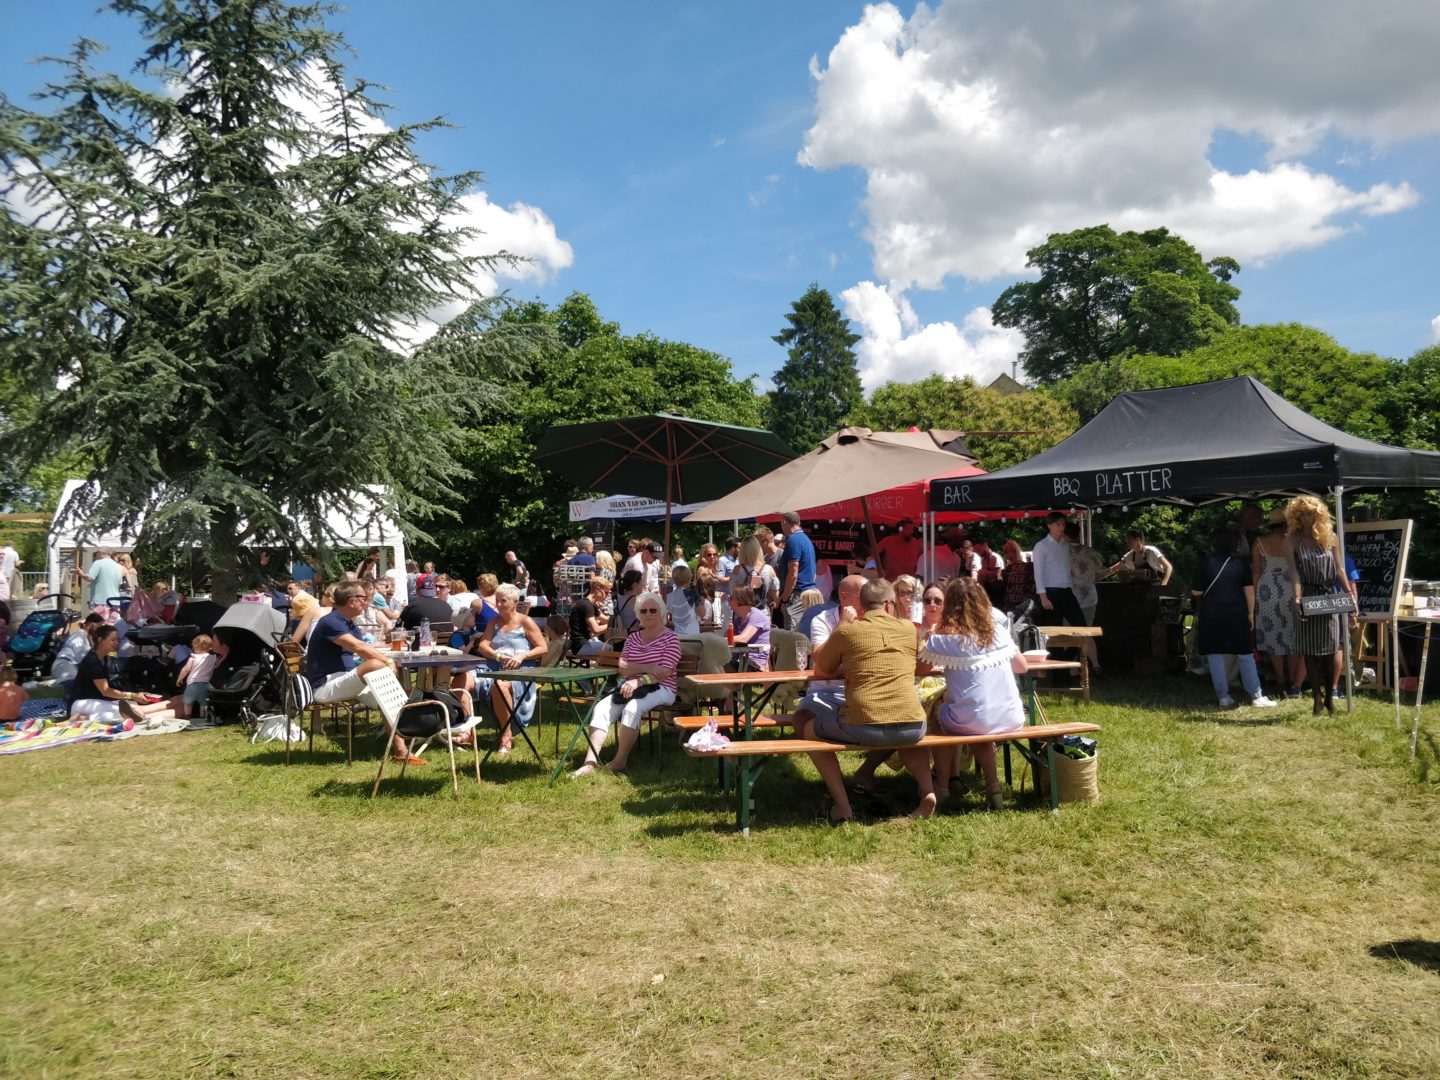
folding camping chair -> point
(424, 720)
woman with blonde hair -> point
(972, 648)
(907, 604)
(511, 640)
(754, 572)
(605, 565)
(1313, 552)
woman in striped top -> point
(647, 668)
(1314, 556)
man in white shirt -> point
(826, 697)
(646, 561)
(10, 561)
(1051, 560)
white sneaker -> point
(1260, 701)
(1227, 703)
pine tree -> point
(210, 276)
(819, 385)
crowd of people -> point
(886, 626)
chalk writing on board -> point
(1379, 550)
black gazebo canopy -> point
(1235, 438)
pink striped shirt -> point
(664, 651)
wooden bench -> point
(726, 722)
(749, 755)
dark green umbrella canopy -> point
(661, 457)
(665, 457)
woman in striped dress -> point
(1314, 556)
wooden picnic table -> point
(747, 706)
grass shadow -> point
(409, 786)
(1226, 719)
(321, 755)
(1417, 951)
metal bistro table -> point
(564, 679)
(560, 678)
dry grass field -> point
(1255, 896)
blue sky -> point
(693, 167)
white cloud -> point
(896, 347)
(984, 127)
(1435, 330)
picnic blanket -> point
(43, 733)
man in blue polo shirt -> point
(337, 660)
(797, 567)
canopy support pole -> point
(924, 546)
(934, 531)
(1344, 622)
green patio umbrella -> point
(661, 456)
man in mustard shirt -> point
(875, 652)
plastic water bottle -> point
(426, 638)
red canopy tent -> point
(906, 502)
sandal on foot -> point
(407, 759)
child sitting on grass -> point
(12, 695)
(195, 675)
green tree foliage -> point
(585, 370)
(819, 385)
(1101, 293)
(216, 266)
(960, 404)
(1410, 400)
(1301, 364)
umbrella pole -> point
(664, 573)
(869, 527)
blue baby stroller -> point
(35, 643)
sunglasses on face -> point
(934, 600)
(647, 611)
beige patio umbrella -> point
(851, 464)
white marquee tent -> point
(68, 548)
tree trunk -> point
(224, 551)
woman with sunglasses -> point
(972, 647)
(648, 663)
(932, 604)
(906, 607)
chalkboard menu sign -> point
(1379, 550)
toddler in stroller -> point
(249, 675)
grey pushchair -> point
(250, 679)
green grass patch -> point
(1255, 896)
